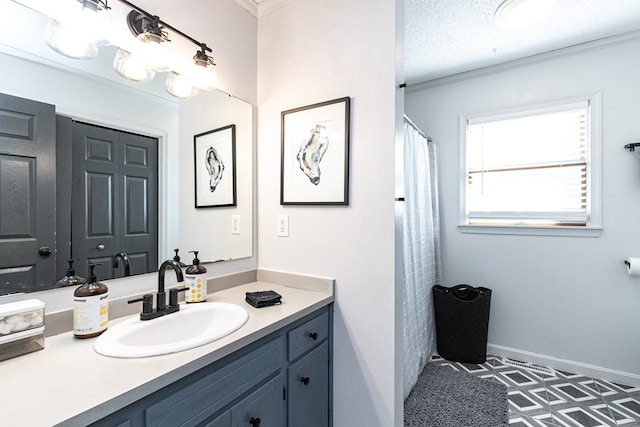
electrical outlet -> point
(283, 225)
(235, 224)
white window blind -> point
(529, 168)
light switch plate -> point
(283, 225)
(235, 224)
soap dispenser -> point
(70, 279)
(90, 307)
(195, 280)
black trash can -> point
(462, 322)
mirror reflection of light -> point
(180, 85)
(204, 76)
(78, 33)
(131, 66)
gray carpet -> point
(443, 397)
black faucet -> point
(162, 308)
(125, 263)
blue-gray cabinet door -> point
(308, 389)
(265, 407)
(27, 195)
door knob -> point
(44, 251)
(255, 422)
(305, 380)
(100, 247)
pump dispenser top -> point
(70, 279)
(176, 258)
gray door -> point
(27, 195)
(115, 194)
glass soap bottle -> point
(90, 307)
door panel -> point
(99, 198)
(136, 213)
(27, 195)
(115, 175)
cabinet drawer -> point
(199, 400)
(307, 335)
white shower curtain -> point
(421, 246)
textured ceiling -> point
(446, 37)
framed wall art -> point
(215, 167)
(315, 154)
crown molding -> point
(268, 6)
(259, 8)
(250, 6)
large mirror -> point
(91, 94)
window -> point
(532, 170)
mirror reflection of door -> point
(27, 195)
(115, 200)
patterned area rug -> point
(444, 397)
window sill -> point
(531, 230)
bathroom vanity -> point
(283, 379)
(273, 371)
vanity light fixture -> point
(204, 70)
(79, 33)
(152, 35)
(521, 13)
(200, 76)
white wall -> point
(308, 52)
(561, 300)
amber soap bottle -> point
(90, 307)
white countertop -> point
(68, 383)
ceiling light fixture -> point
(521, 13)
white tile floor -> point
(563, 399)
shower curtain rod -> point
(408, 120)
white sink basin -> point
(194, 325)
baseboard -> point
(586, 369)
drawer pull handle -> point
(255, 422)
(305, 380)
(313, 335)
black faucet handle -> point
(173, 295)
(147, 303)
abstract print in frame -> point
(215, 167)
(315, 154)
